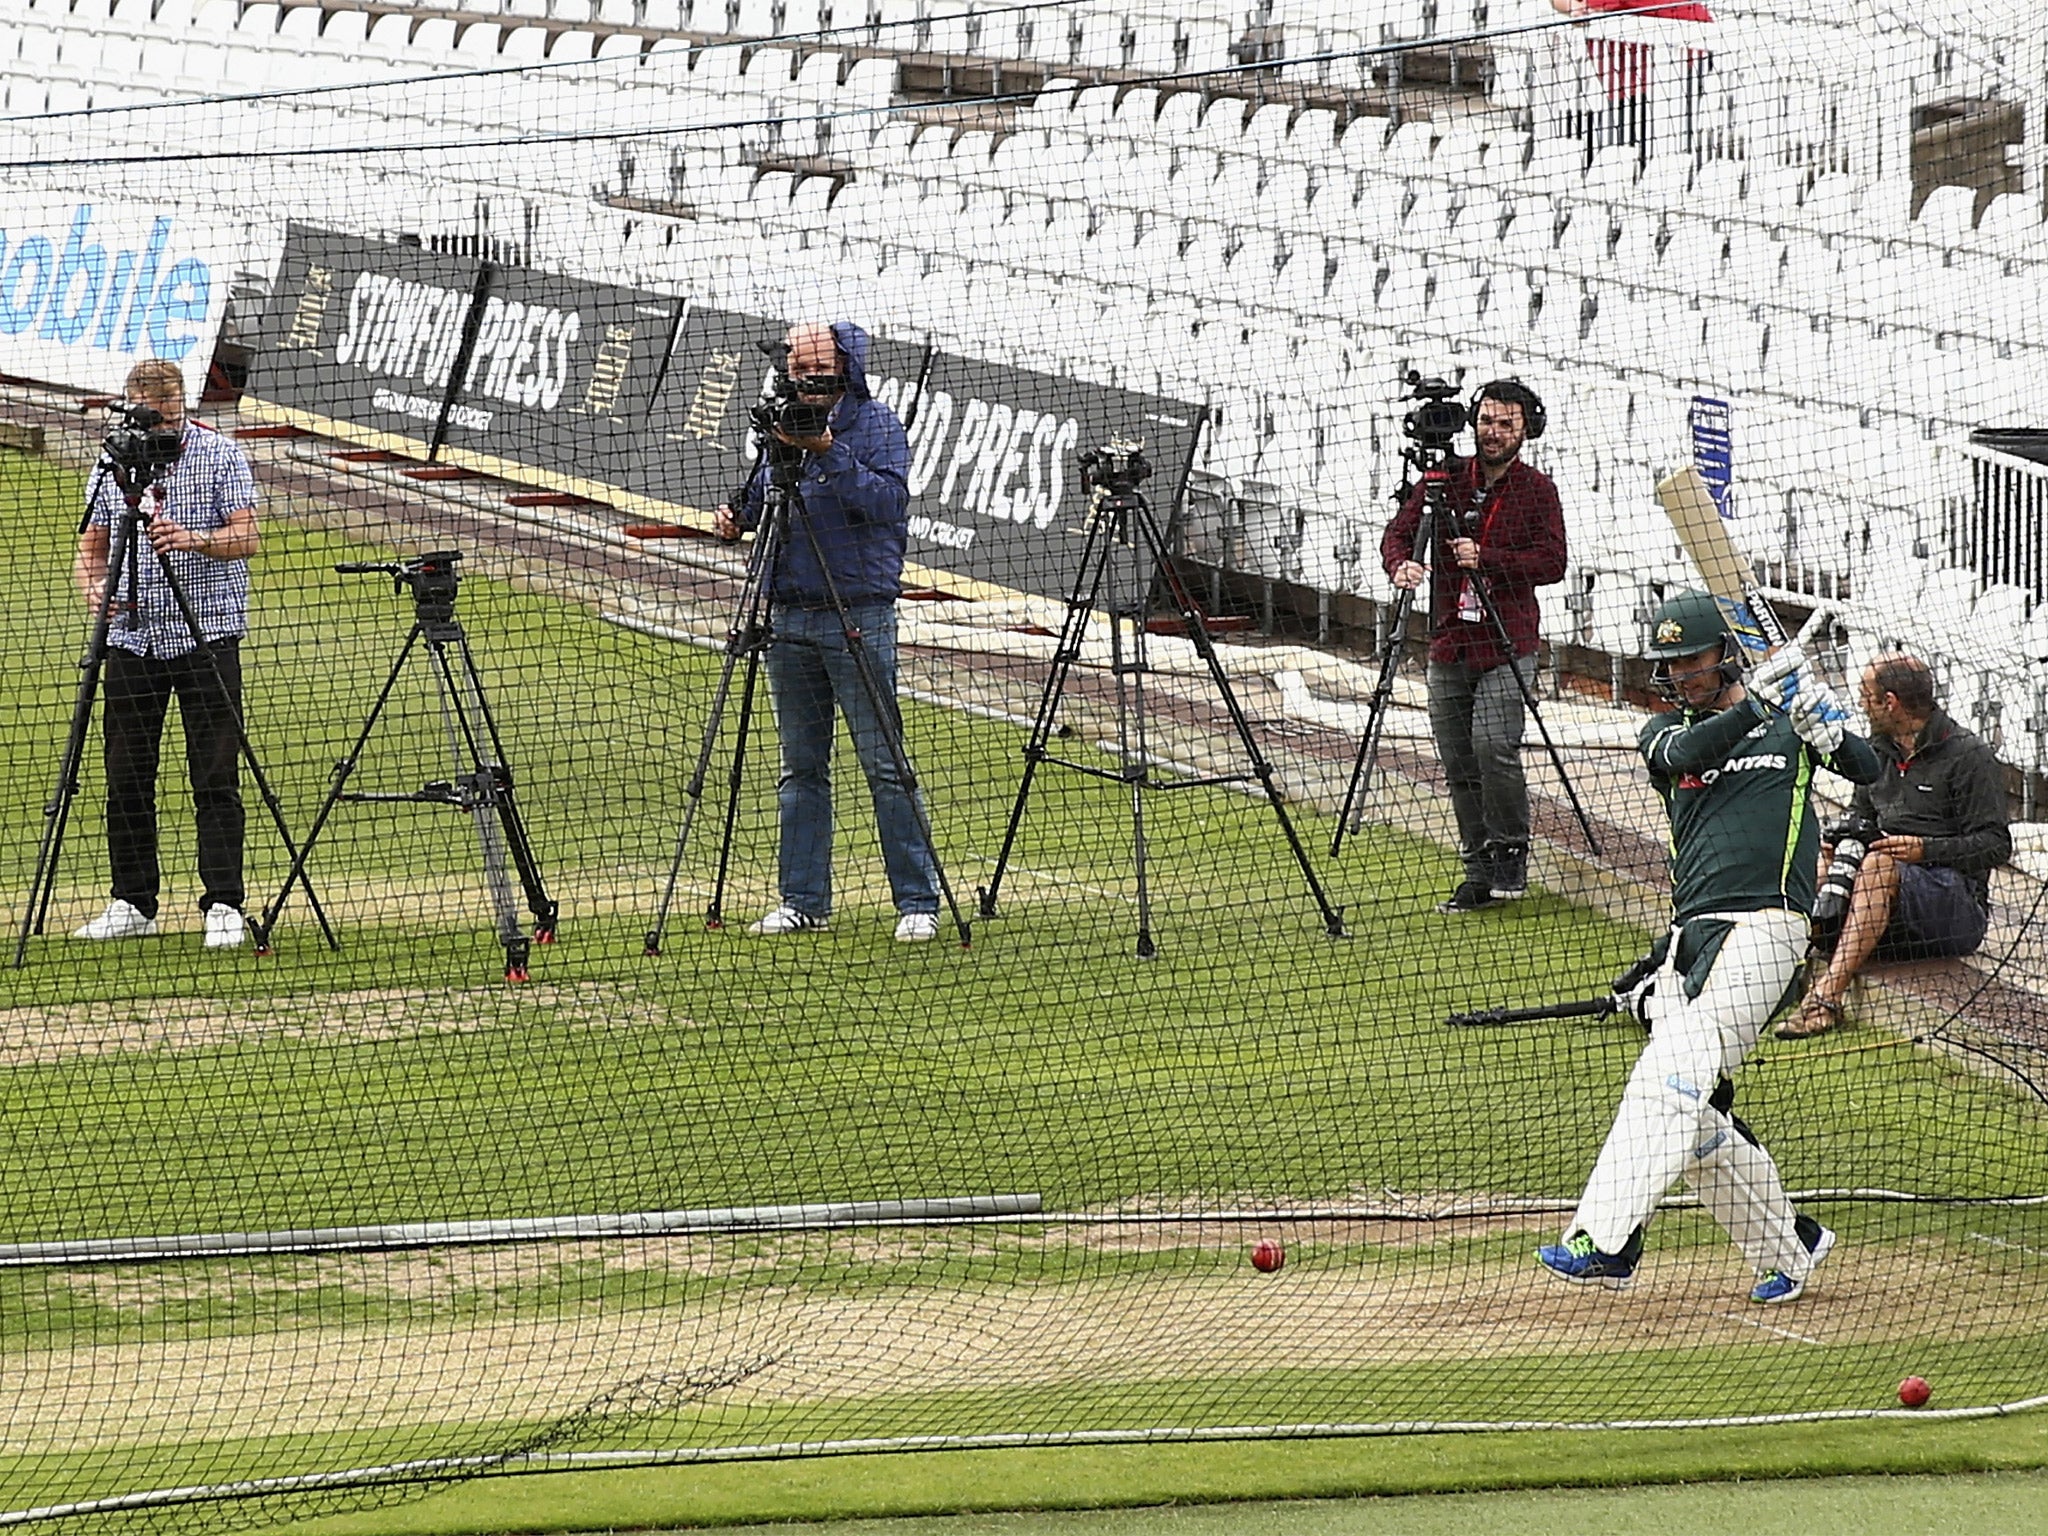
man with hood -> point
(848, 521)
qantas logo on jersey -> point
(1755, 760)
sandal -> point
(1816, 1016)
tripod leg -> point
(744, 638)
(343, 771)
(1351, 815)
(1133, 748)
(57, 811)
(890, 718)
(275, 806)
(1571, 793)
(1333, 916)
(546, 911)
(1073, 631)
(693, 792)
(248, 751)
(480, 792)
(714, 913)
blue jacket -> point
(856, 498)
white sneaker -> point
(224, 928)
(788, 920)
(121, 920)
(917, 927)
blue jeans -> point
(810, 670)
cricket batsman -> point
(1735, 773)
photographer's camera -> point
(433, 579)
(794, 405)
(140, 440)
(1117, 468)
(1851, 839)
(1437, 420)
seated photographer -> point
(1923, 890)
(844, 545)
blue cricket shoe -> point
(1577, 1260)
(1777, 1287)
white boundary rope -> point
(956, 1211)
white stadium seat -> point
(524, 45)
(480, 41)
(1205, 43)
(1162, 237)
(1155, 45)
(2011, 225)
(1948, 215)
(433, 39)
(1664, 180)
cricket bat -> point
(1690, 506)
(1727, 575)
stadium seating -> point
(1622, 277)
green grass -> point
(1991, 1504)
(155, 1088)
(1205, 1485)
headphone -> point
(1512, 392)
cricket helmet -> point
(1690, 624)
(1685, 624)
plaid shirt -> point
(211, 479)
(1520, 530)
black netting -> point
(491, 1134)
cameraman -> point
(1505, 533)
(850, 511)
(202, 516)
(1924, 889)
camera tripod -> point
(482, 784)
(127, 536)
(1121, 521)
(747, 639)
(1433, 464)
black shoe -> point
(1510, 871)
(1470, 896)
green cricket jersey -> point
(1738, 787)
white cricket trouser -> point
(1665, 1128)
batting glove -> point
(1777, 669)
(1817, 716)
(1634, 988)
(1635, 1002)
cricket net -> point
(502, 1143)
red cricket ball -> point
(1267, 1256)
(1914, 1391)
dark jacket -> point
(1950, 793)
(855, 498)
(1520, 529)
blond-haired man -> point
(201, 523)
